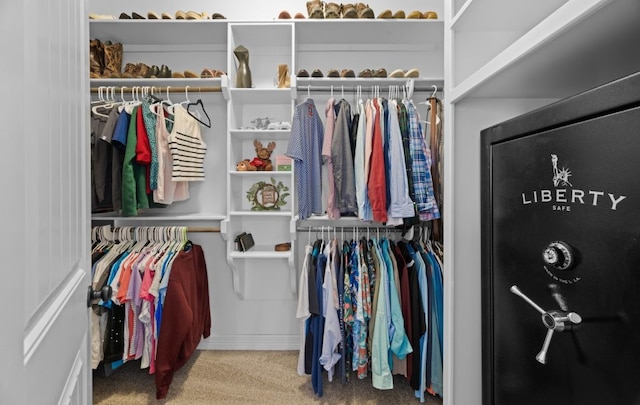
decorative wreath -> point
(265, 196)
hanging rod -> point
(189, 228)
(364, 89)
(349, 228)
(163, 89)
(202, 229)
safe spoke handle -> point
(514, 289)
(542, 355)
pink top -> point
(332, 210)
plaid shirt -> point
(421, 161)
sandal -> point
(283, 247)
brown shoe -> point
(218, 16)
(152, 15)
(317, 73)
(284, 15)
(302, 73)
(333, 73)
(415, 15)
(347, 73)
(144, 70)
(189, 74)
(124, 16)
(431, 15)
(137, 16)
(382, 72)
(165, 72)
(299, 16)
(365, 73)
(399, 14)
(166, 16)
(155, 71)
(386, 14)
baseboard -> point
(251, 342)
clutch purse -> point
(244, 242)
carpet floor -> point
(243, 377)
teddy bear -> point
(263, 159)
(245, 166)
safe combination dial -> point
(559, 255)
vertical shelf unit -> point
(269, 45)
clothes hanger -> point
(102, 103)
(196, 104)
(158, 108)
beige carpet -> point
(243, 377)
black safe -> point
(561, 252)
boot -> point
(349, 11)
(284, 80)
(315, 9)
(332, 10)
(96, 58)
(112, 60)
(364, 11)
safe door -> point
(561, 264)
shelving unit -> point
(269, 45)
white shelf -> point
(280, 213)
(574, 49)
(160, 32)
(250, 134)
(261, 252)
(276, 173)
(193, 83)
(150, 217)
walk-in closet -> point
(270, 202)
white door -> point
(44, 253)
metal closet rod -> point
(347, 228)
(159, 90)
(189, 228)
(365, 88)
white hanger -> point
(102, 103)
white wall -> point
(472, 116)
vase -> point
(243, 74)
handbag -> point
(244, 242)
